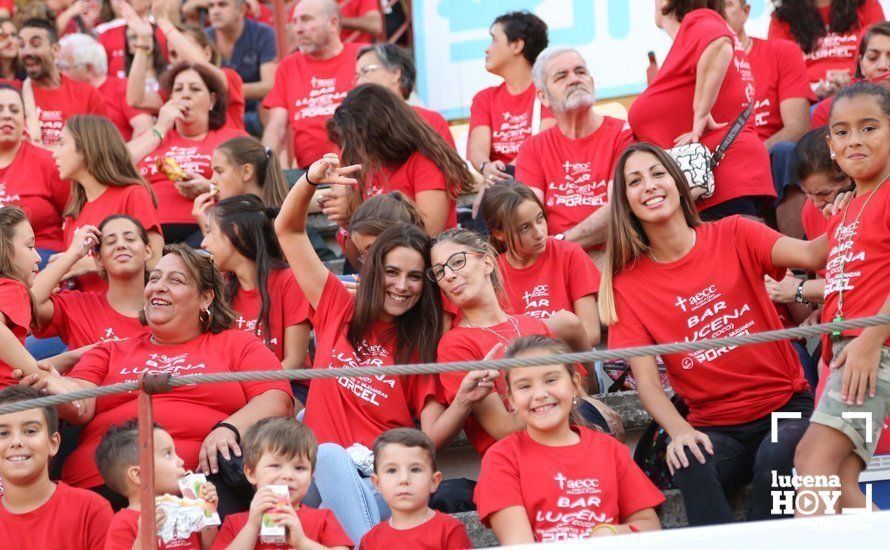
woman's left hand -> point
(700, 125)
(783, 291)
(476, 385)
(220, 440)
(193, 187)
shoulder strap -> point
(730, 136)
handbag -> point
(697, 162)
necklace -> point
(510, 318)
(694, 239)
(842, 278)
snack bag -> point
(190, 487)
(174, 171)
(182, 517)
(270, 533)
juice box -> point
(270, 533)
(190, 487)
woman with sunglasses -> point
(394, 318)
(465, 268)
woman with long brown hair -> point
(397, 151)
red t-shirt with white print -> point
(562, 274)
(437, 122)
(15, 305)
(357, 410)
(85, 318)
(441, 532)
(32, 182)
(125, 526)
(833, 51)
(319, 525)
(715, 291)
(473, 344)
(56, 105)
(311, 90)
(745, 170)
(573, 174)
(417, 174)
(508, 116)
(779, 74)
(566, 491)
(187, 412)
(193, 157)
(859, 259)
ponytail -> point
(267, 171)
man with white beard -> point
(569, 166)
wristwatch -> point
(559, 237)
(798, 295)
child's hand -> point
(263, 501)
(208, 493)
(860, 360)
(84, 241)
(160, 519)
(296, 538)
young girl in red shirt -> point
(559, 479)
(542, 275)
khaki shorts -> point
(831, 407)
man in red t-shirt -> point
(311, 83)
(569, 166)
(83, 59)
(56, 97)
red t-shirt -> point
(124, 527)
(815, 224)
(441, 532)
(780, 74)
(287, 307)
(566, 491)
(862, 245)
(357, 410)
(235, 108)
(15, 305)
(508, 116)
(689, 300)
(56, 105)
(266, 15)
(193, 157)
(357, 8)
(113, 37)
(32, 182)
(437, 122)
(833, 51)
(417, 174)
(72, 519)
(562, 274)
(114, 90)
(473, 344)
(821, 112)
(573, 174)
(311, 90)
(85, 318)
(187, 412)
(745, 170)
(319, 525)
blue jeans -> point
(338, 486)
(44, 348)
(782, 161)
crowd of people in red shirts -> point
(147, 226)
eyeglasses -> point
(363, 72)
(455, 262)
(204, 254)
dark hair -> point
(158, 61)
(140, 230)
(679, 8)
(878, 29)
(38, 23)
(14, 394)
(406, 437)
(266, 168)
(498, 209)
(418, 329)
(806, 23)
(117, 451)
(282, 436)
(812, 156)
(247, 223)
(378, 130)
(525, 26)
(860, 89)
(380, 212)
(394, 58)
(217, 116)
(10, 218)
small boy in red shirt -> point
(281, 452)
(117, 458)
(34, 511)
(405, 474)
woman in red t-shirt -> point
(394, 318)
(542, 275)
(92, 154)
(558, 479)
(11, 70)
(397, 151)
(260, 286)
(705, 47)
(465, 268)
(18, 266)
(669, 278)
(122, 250)
(190, 332)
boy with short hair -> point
(34, 511)
(405, 474)
(117, 458)
(281, 451)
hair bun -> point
(272, 212)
